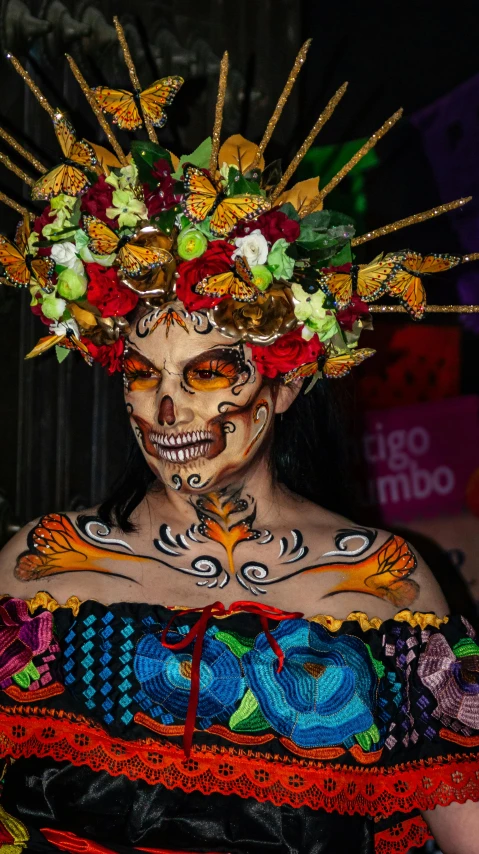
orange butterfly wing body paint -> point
(215, 522)
(385, 574)
(55, 546)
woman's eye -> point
(215, 374)
(205, 375)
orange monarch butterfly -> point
(20, 267)
(237, 283)
(409, 270)
(68, 339)
(368, 280)
(333, 366)
(132, 258)
(69, 177)
(204, 198)
(127, 107)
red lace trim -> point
(398, 839)
(67, 841)
(30, 731)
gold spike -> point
(352, 162)
(298, 64)
(220, 102)
(16, 207)
(31, 85)
(16, 169)
(133, 76)
(321, 121)
(410, 220)
(22, 151)
(471, 256)
(431, 309)
(96, 110)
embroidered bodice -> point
(209, 730)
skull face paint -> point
(199, 408)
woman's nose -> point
(166, 413)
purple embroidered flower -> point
(452, 676)
(21, 636)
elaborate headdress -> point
(217, 230)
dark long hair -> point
(310, 454)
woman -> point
(210, 662)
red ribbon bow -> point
(197, 633)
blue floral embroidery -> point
(325, 692)
(164, 675)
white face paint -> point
(199, 408)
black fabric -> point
(122, 814)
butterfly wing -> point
(13, 262)
(103, 240)
(121, 105)
(135, 260)
(337, 285)
(218, 285)
(372, 279)
(306, 370)
(65, 133)
(84, 154)
(235, 208)
(159, 95)
(201, 194)
(336, 367)
(43, 269)
(45, 344)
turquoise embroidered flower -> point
(165, 676)
(325, 692)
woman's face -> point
(199, 408)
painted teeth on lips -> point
(182, 447)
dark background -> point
(63, 430)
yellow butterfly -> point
(406, 282)
(133, 259)
(127, 107)
(69, 177)
(338, 366)
(368, 280)
(68, 339)
(204, 198)
(237, 283)
(20, 267)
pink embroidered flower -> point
(453, 679)
(21, 636)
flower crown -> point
(216, 229)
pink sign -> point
(422, 457)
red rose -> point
(356, 309)
(107, 293)
(42, 220)
(163, 197)
(216, 259)
(97, 199)
(108, 355)
(288, 352)
(273, 225)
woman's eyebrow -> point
(213, 353)
(133, 351)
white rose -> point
(65, 254)
(253, 248)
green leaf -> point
(369, 737)
(27, 675)
(236, 643)
(145, 154)
(290, 211)
(249, 717)
(238, 184)
(199, 157)
(464, 647)
(344, 256)
(165, 220)
(316, 220)
(378, 665)
(61, 353)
